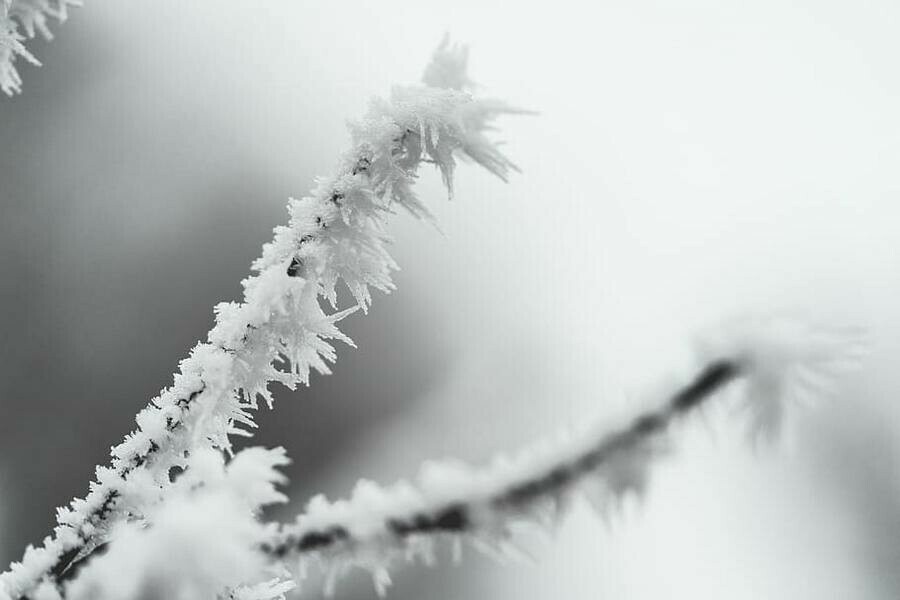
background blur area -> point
(688, 164)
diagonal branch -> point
(773, 360)
(464, 511)
(280, 332)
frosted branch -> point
(772, 361)
(280, 332)
(137, 509)
(199, 543)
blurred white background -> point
(691, 161)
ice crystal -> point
(21, 20)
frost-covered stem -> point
(280, 331)
(772, 362)
(505, 500)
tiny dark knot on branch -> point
(649, 424)
(452, 518)
(175, 472)
(318, 539)
(293, 269)
(362, 166)
(106, 506)
(183, 402)
(525, 492)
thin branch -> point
(774, 362)
(280, 331)
(471, 509)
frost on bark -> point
(198, 535)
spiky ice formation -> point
(280, 331)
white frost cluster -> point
(200, 543)
(21, 20)
(280, 331)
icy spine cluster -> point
(280, 332)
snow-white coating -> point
(198, 544)
(769, 361)
(21, 20)
(280, 331)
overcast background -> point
(692, 160)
